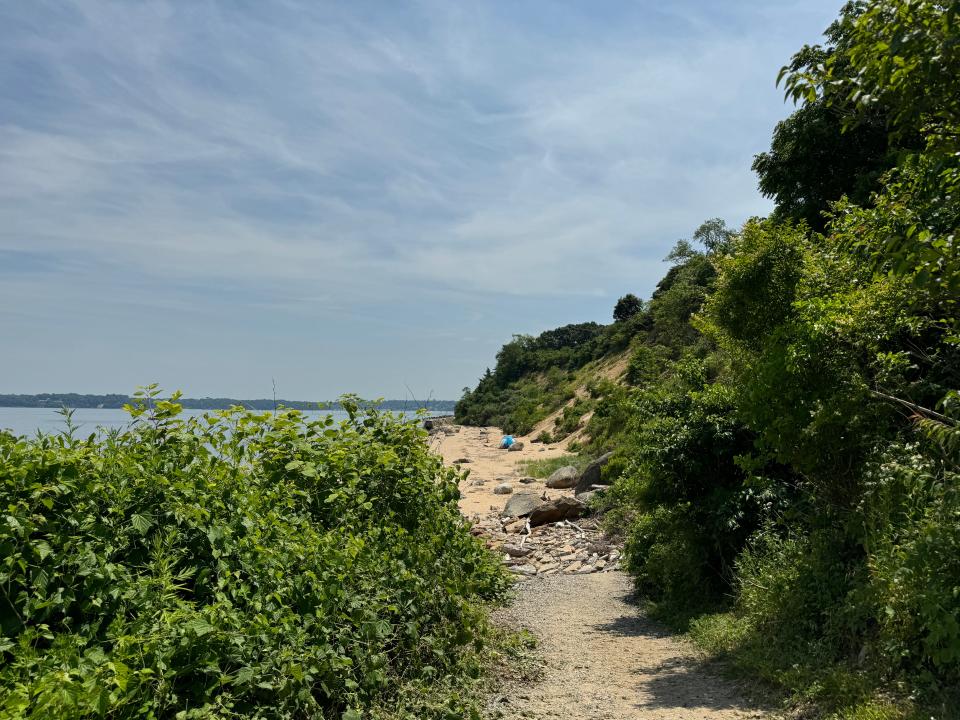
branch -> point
(932, 414)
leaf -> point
(141, 523)
(199, 627)
(43, 549)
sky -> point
(365, 197)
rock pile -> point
(563, 547)
(441, 425)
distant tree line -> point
(117, 401)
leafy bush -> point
(233, 565)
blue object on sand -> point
(507, 441)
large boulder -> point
(591, 476)
(565, 477)
(522, 503)
(516, 447)
(561, 508)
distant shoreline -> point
(117, 401)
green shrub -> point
(233, 565)
(911, 527)
(669, 560)
(545, 468)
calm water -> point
(27, 421)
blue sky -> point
(358, 196)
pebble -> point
(548, 549)
(524, 569)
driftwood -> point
(527, 528)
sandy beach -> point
(492, 466)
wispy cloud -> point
(426, 165)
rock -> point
(572, 567)
(514, 551)
(527, 480)
(524, 569)
(586, 497)
(516, 526)
(591, 476)
(503, 489)
(516, 447)
(478, 482)
(561, 508)
(522, 503)
(565, 477)
(437, 424)
(462, 461)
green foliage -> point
(757, 283)
(626, 307)
(546, 468)
(830, 147)
(235, 565)
(812, 162)
(903, 55)
(570, 420)
(681, 497)
(911, 517)
(832, 525)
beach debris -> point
(561, 547)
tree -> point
(812, 162)
(626, 307)
(901, 56)
(829, 148)
(714, 235)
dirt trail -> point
(603, 659)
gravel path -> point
(605, 660)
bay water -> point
(28, 421)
